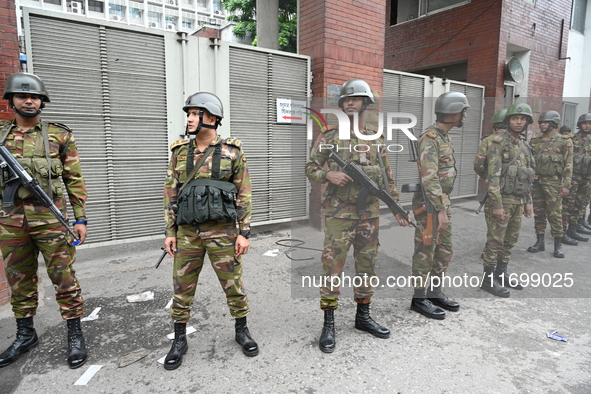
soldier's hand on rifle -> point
(81, 231)
(443, 221)
(564, 191)
(499, 214)
(338, 178)
(402, 221)
(528, 211)
(170, 245)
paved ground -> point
(491, 345)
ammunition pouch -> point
(37, 167)
(205, 199)
(549, 165)
(582, 164)
(517, 180)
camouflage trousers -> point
(188, 262)
(574, 204)
(20, 251)
(547, 205)
(501, 235)
(339, 235)
(430, 260)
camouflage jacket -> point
(233, 168)
(316, 171)
(581, 147)
(502, 149)
(65, 164)
(556, 151)
(438, 166)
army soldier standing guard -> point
(206, 191)
(48, 152)
(344, 225)
(566, 132)
(438, 174)
(578, 197)
(510, 175)
(553, 154)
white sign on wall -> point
(291, 111)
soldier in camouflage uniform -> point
(499, 126)
(438, 174)
(28, 227)
(344, 225)
(566, 132)
(576, 201)
(553, 154)
(510, 173)
(204, 195)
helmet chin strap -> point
(440, 119)
(201, 125)
(549, 129)
(26, 114)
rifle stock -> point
(13, 175)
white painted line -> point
(161, 361)
(93, 315)
(86, 376)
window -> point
(116, 9)
(58, 2)
(569, 111)
(578, 15)
(202, 4)
(135, 13)
(406, 10)
(96, 6)
(154, 17)
(509, 95)
(188, 24)
(170, 20)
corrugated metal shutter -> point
(109, 85)
(403, 93)
(276, 152)
(466, 141)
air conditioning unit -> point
(217, 12)
(153, 24)
(172, 2)
(170, 26)
(116, 18)
(76, 7)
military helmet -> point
(206, 100)
(499, 116)
(564, 130)
(519, 109)
(549, 116)
(356, 88)
(25, 83)
(451, 103)
(583, 118)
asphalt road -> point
(491, 345)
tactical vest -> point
(581, 159)
(516, 178)
(39, 167)
(205, 199)
(549, 164)
(349, 193)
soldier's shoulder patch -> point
(497, 139)
(233, 141)
(61, 126)
(566, 136)
(431, 133)
(179, 143)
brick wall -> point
(345, 39)
(9, 63)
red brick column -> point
(345, 39)
(9, 63)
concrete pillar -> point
(345, 39)
(267, 15)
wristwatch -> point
(245, 233)
(83, 221)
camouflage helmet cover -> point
(451, 103)
(25, 83)
(206, 100)
(356, 88)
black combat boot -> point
(589, 219)
(539, 246)
(179, 347)
(420, 303)
(581, 228)
(327, 340)
(568, 240)
(436, 297)
(572, 232)
(76, 347)
(558, 252)
(585, 223)
(364, 322)
(26, 338)
(504, 279)
(490, 283)
(249, 346)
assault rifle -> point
(429, 233)
(482, 201)
(13, 175)
(368, 186)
